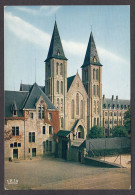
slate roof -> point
(69, 81)
(63, 133)
(26, 87)
(56, 49)
(34, 95)
(24, 99)
(11, 97)
(91, 52)
(114, 103)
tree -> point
(127, 121)
(96, 132)
(119, 131)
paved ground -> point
(52, 173)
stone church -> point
(62, 111)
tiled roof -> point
(56, 49)
(14, 96)
(63, 133)
(26, 87)
(91, 52)
(69, 81)
(33, 97)
(115, 103)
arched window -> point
(61, 105)
(81, 109)
(39, 112)
(98, 107)
(61, 69)
(43, 112)
(97, 75)
(57, 86)
(97, 90)
(95, 107)
(94, 90)
(93, 74)
(57, 68)
(62, 87)
(77, 104)
(72, 109)
(57, 103)
(62, 122)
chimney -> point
(112, 97)
(117, 97)
(103, 97)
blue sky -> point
(28, 31)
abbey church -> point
(66, 108)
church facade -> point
(64, 110)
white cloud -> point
(46, 10)
(28, 32)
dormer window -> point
(14, 109)
(14, 112)
(58, 52)
(94, 59)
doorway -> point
(15, 153)
(33, 152)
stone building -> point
(31, 122)
(70, 105)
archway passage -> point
(80, 132)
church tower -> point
(56, 75)
(92, 80)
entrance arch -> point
(80, 132)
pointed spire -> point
(56, 49)
(91, 56)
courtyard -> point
(52, 173)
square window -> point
(43, 129)
(11, 145)
(31, 115)
(15, 144)
(19, 144)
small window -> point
(14, 113)
(17, 131)
(50, 116)
(31, 115)
(11, 145)
(50, 130)
(31, 136)
(19, 144)
(13, 130)
(43, 128)
(15, 144)
(29, 150)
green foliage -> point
(119, 131)
(96, 132)
(127, 121)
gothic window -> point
(57, 86)
(39, 112)
(94, 90)
(97, 90)
(72, 109)
(62, 87)
(95, 107)
(97, 75)
(94, 121)
(43, 112)
(62, 122)
(61, 69)
(93, 74)
(98, 107)
(57, 67)
(61, 105)
(81, 109)
(77, 104)
(57, 103)
(43, 129)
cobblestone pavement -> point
(51, 173)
